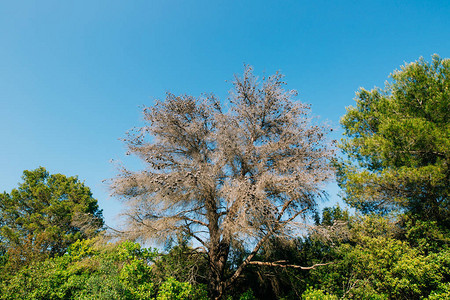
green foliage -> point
(312, 294)
(330, 215)
(76, 275)
(427, 236)
(171, 289)
(398, 142)
(45, 215)
(248, 295)
(379, 262)
(442, 293)
(90, 271)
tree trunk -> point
(218, 251)
(218, 256)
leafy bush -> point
(312, 294)
(376, 263)
(121, 271)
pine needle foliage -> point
(397, 140)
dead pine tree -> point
(225, 177)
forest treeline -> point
(230, 192)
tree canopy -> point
(46, 214)
(229, 178)
(398, 140)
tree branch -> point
(188, 230)
(276, 264)
(295, 216)
(194, 221)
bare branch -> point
(294, 216)
(194, 221)
(274, 264)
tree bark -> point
(218, 250)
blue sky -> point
(73, 74)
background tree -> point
(45, 215)
(398, 142)
(226, 179)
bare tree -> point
(225, 177)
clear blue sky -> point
(74, 73)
